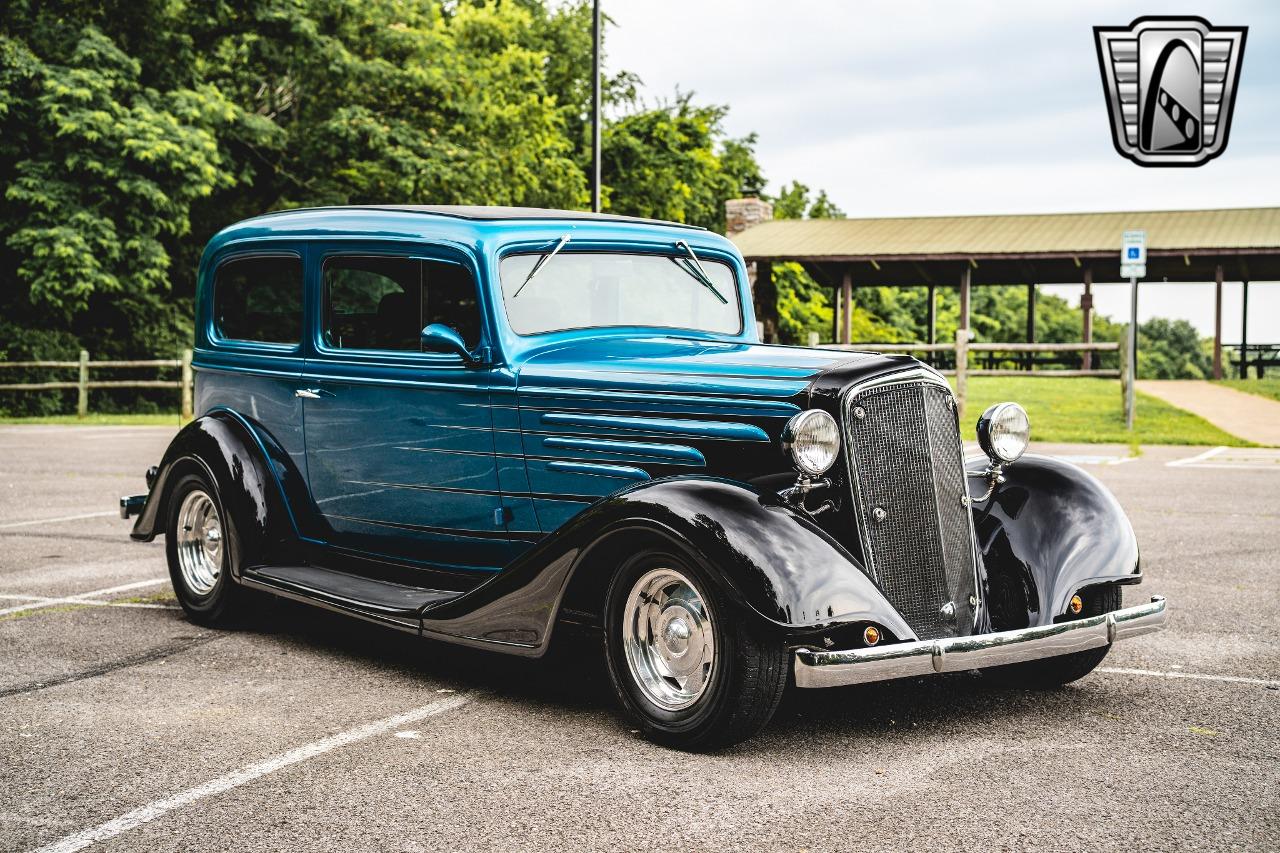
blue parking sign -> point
(1134, 253)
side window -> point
(383, 303)
(259, 299)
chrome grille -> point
(907, 470)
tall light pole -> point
(595, 106)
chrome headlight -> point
(1004, 432)
(813, 439)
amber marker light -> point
(1076, 605)
(871, 635)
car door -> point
(249, 332)
(399, 442)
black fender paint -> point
(1048, 531)
(772, 561)
(252, 474)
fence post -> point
(962, 366)
(186, 384)
(82, 401)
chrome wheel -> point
(668, 638)
(199, 542)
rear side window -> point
(259, 299)
(384, 303)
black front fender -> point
(1049, 530)
(773, 561)
(252, 474)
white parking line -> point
(81, 598)
(55, 520)
(236, 778)
(41, 599)
(1198, 676)
(1232, 459)
(1199, 457)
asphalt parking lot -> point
(124, 725)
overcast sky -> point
(903, 108)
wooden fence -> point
(83, 384)
(960, 349)
(963, 346)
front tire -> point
(1050, 673)
(201, 545)
(691, 676)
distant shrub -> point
(19, 343)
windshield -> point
(577, 290)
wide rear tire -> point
(690, 673)
(201, 546)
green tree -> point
(129, 133)
(1173, 349)
(673, 162)
(100, 175)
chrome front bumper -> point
(957, 654)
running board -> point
(378, 601)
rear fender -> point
(1048, 531)
(258, 485)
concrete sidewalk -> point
(1248, 416)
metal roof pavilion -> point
(1058, 248)
(1182, 245)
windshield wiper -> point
(542, 261)
(695, 269)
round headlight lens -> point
(813, 440)
(1004, 432)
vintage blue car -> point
(474, 424)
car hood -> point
(598, 413)
(668, 365)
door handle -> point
(312, 393)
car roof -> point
(490, 213)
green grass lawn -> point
(1090, 410)
(1268, 387)
(172, 419)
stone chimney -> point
(739, 215)
(742, 213)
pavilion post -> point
(962, 372)
(835, 315)
(933, 314)
(1031, 322)
(766, 301)
(846, 300)
(1086, 313)
(1217, 323)
(1244, 330)
(933, 320)
(965, 281)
